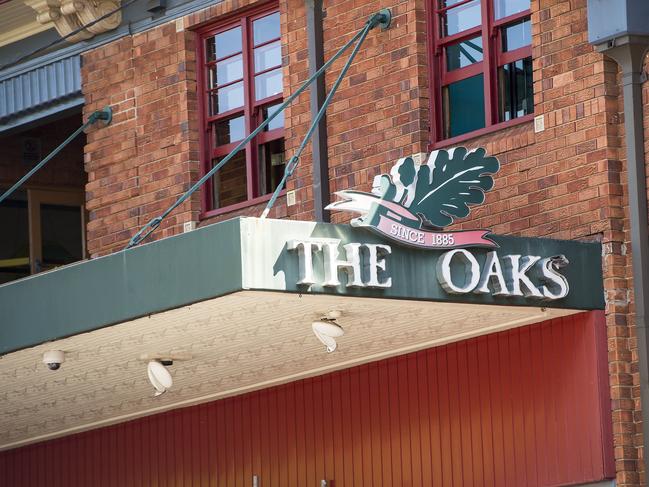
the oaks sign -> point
(411, 206)
(458, 271)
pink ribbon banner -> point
(433, 240)
(390, 224)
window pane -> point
(226, 71)
(464, 106)
(230, 182)
(464, 53)
(268, 56)
(266, 28)
(268, 84)
(223, 44)
(462, 18)
(61, 235)
(278, 121)
(505, 8)
(228, 131)
(227, 98)
(271, 166)
(516, 89)
(517, 35)
(14, 239)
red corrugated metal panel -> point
(527, 407)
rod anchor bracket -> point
(106, 115)
(383, 18)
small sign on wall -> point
(31, 147)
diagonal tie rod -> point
(106, 115)
(381, 18)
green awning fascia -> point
(241, 254)
(88, 295)
(413, 271)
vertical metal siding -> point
(525, 407)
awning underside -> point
(239, 342)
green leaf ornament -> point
(447, 185)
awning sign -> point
(411, 206)
(458, 271)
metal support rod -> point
(315, 46)
(629, 52)
(293, 162)
(105, 114)
(381, 18)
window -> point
(481, 64)
(241, 85)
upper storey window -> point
(241, 85)
(482, 64)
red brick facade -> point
(566, 182)
(147, 157)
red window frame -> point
(252, 110)
(490, 32)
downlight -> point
(157, 363)
(327, 330)
(159, 377)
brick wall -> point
(565, 182)
(380, 112)
(148, 156)
(140, 164)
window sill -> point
(238, 206)
(479, 133)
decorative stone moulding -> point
(70, 15)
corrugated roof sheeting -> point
(26, 94)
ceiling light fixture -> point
(159, 377)
(327, 330)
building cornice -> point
(67, 16)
